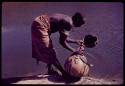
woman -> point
(42, 28)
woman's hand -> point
(79, 42)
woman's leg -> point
(60, 68)
(51, 70)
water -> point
(104, 19)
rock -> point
(56, 79)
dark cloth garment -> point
(42, 47)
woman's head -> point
(78, 19)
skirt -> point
(42, 47)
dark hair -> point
(90, 41)
(78, 19)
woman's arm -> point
(79, 42)
(63, 41)
(69, 40)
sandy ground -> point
(54, 79)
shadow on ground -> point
(51, 78)
(16, 79)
